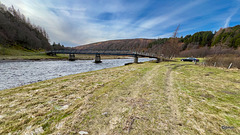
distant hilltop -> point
(224, 38)
(124, 44)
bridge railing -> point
(106, 52)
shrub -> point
(201, 52)
(224, 60)
(205, 51)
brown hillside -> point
(124, 44)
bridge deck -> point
(127, 53)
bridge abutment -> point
(71, 57)
(135, 59)
(98, 58)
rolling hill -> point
(227, 37)
(124, 44)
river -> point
(14, 74)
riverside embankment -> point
(149, 98)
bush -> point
(224, 60)
(201, 52)
(205, 51)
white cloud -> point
(75, 22)
(233, 12)
(166, 35)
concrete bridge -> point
(98, 54)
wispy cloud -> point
(233, 12)
(170, 14)
(74, 22)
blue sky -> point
(79, 22)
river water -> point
(14, 74)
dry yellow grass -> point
(149, 98)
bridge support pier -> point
(98, 58)
(52, 54)
(135, 59)
(71, 57)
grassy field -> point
(149, 98)
(18, 53)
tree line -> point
(16, 29)
(199, 44)
(228, 37)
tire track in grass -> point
(172, 102)
(141, 88)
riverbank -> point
(7, 54)
(148, 98)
